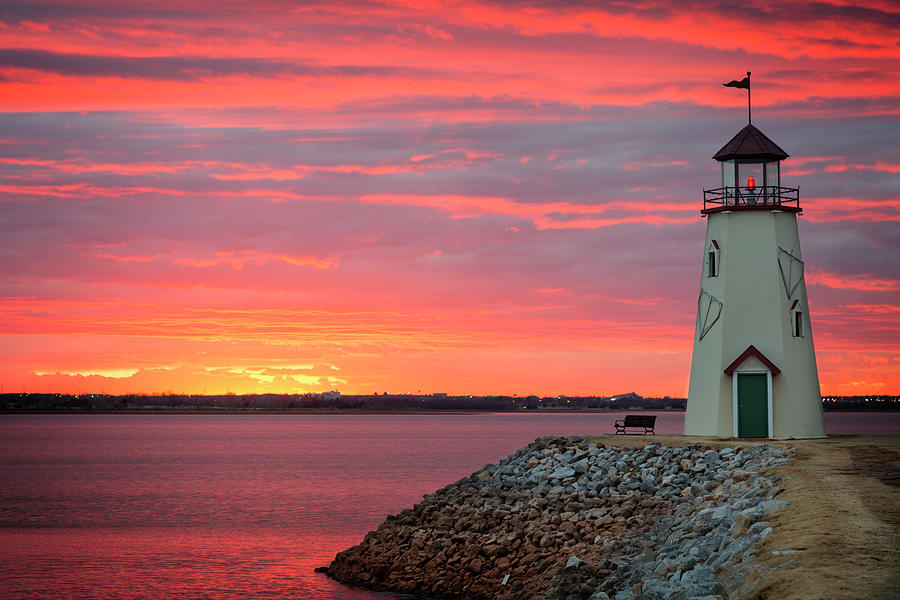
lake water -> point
(239, 506)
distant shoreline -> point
(336, 403)
(325, 411)
(356, 411)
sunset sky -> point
(462, 197)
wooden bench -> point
(647, 422)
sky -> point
(389, 196)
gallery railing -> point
(769, 197)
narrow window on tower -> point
(712, 259)
(797, 319)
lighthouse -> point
(753, 367)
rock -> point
(579, 456)
(727, 554)
(573, 562)
(710, 457)
(562, 473)
(655, 589)
(483, 475)
(767, 507)
(702, 580)
(740, 475)
(723, 513)
(740, 580)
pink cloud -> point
(851, 282)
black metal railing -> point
(761, 197)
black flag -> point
(743, 83)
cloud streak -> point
(180, 68)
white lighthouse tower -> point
(753, 368)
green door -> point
(753, 405)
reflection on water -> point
(237, 506)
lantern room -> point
(750, 176)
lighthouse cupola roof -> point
(750, 143)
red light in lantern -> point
(751, 183)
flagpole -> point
(749, 115)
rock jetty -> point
(564, 518)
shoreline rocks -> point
(564, 518)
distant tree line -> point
(327, 401)
(333, 401)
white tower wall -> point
(758, 301)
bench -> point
(647, 422)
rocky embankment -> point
(565, 518)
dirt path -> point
(844, 517)
(843, 522)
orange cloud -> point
(237, 260)
(854, 282)
(542, 213)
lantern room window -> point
(773, 173)
(728, 179)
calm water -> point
(238, 506)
